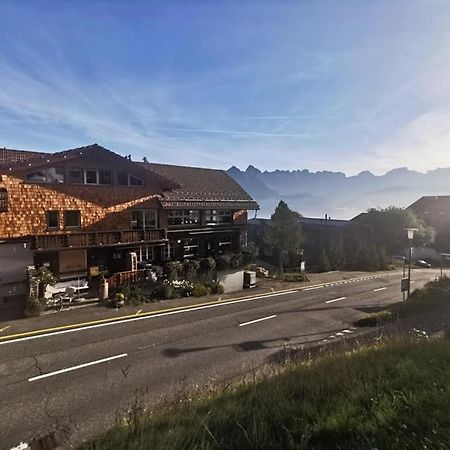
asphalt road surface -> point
(80, 381)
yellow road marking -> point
(151, 313)
(4, 328)
(139, 312)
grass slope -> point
(390, 396)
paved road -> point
(81, 379)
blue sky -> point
(324, 85)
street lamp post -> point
(410, 233)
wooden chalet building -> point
(87, 209)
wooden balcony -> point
(88, 239)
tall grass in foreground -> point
(394, 395)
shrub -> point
(294, 277)
(165, 291)
(182, 288)
(34, 306)
(215, 287)
(135, 296)
(376, 319)
(199, 290)
(208, 264)
(191, 268)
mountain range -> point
(315, 194)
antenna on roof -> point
(144, 159)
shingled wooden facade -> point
(87, 209)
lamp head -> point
(410, 232)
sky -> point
(312, 84)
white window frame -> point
(97, 177)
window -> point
(105, 177)
(52, 219)
(97, 176)
(143, 219)
(190, 248)
(184, 217)
(218, 216)
(145, 253)
(169, 251)
(72, 219)
(46, 175)
(3, 200)
(90, 176)
(76, 176)
(126, 179)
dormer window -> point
(126, 179)
(90, 176)
(3, 200)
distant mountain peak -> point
(252, 169)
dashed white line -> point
(70, 369)
(152, 316)
(336, 300)
(380, 289)
(313, 288)
(257, 320)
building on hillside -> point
(435, 212)
(318, 233)
(88, 209)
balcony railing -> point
(129, 277)
(97, 239)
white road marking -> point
(380, 289)
(69, 369)
(336, 300)
(153, 316)
(257, 320)
(347, 331)
(313, 288)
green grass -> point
(376, 319)
(394, 395)
(293, 277)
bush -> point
(190, 268)
(215, 287)
(376, 319)
(208, 264)
(165, 291)
(294, 277)
(200, 290)
(34, 306)
(182, 288)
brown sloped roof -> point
(11, 156)
(37, 160)
(201, 188)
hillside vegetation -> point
(393, 395)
